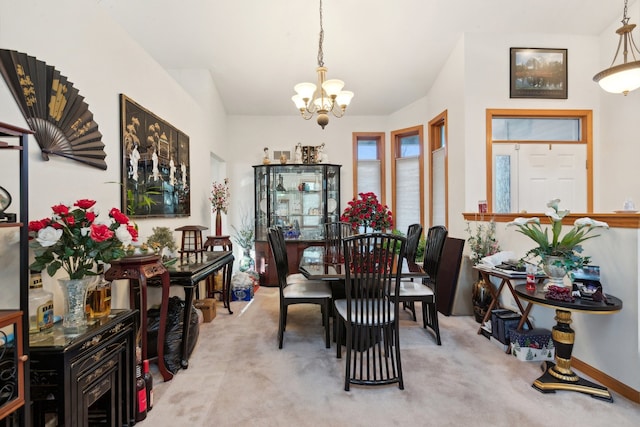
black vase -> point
(481, 296)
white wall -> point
(102, 62)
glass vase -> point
(74, 292)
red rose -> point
(118, 216)
(61, 210)
(38, 225)
(84, 203)
(133, 231)
(100, 232)
(70, 220)
(91, 216)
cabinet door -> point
(11, 362)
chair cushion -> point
(413, 289)
(296, 278)
(308, 289)
(341, 308)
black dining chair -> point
(368, 314)
(425, 291)
(334, 232)
(414, 232)
(296, 289)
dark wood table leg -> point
(186, 325)
(226, 286)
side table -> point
(559, 376)
(139, 268)
(225, 243)
(506, 279)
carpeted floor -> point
(238, 377)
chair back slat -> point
(279, 251)
(436, 236)
(334, 232)
(414, 232)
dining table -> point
(319, 263)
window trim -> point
(395, 138)
(586, 137)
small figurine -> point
(321, 157)
(283, 159)
(298, 154)
(265, 159)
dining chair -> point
(411, 291)
(334, 232)
(296, 289)
(414, 232)
(368, 314)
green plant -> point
(162, 237)
(244, 236)
(482, 241)
(568, 247)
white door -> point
(542, 172)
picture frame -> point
(538, 73)
(155, 164)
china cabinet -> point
(14, 322)
(300, 198)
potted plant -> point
(482, 243)
(367, 213)
(244, 237)
(163, 243)
(558, 255)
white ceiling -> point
(387, 51)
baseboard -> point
(607, 381)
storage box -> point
(501, 322)
(208, 308)
(244, 293)
(533, 345)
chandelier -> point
(327, 97)
(624, 77)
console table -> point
(88, 378)
(559, 376)
(188, 273)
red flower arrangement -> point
(367, 212)
(72, 239)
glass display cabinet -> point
(299, 198)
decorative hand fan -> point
(53, 108)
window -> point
(438, 171)
(407, 177)
(534, 156)
(368, 168)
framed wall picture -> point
(538, 73)
(155, 164)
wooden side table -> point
(225, 243)
(139, 268)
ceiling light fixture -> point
(327, 97)
(625, 77)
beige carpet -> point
(238, 377)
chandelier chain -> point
(320, 40)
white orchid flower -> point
(554, 204)
(48, 236)
(520, 221)
(588, 222)
(553, 215)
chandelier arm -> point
(633, 47)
